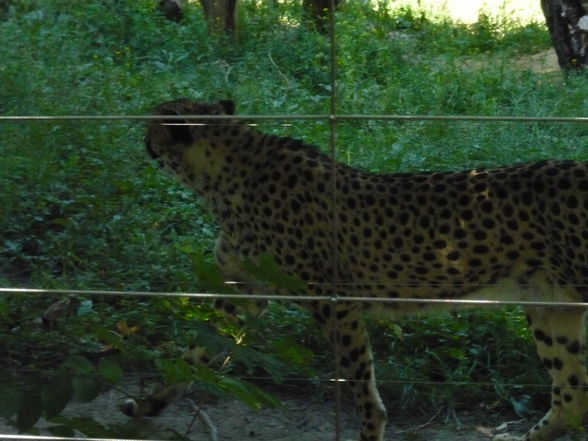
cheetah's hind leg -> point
(560, 339)
(347, 333)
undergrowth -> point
(84, 208)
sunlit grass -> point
(469, 11)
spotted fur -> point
(519, 232)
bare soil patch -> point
(303, 417)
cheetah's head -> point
(195, 150)
(167, 138)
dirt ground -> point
(304, 417)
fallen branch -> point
(286, 80)
(199, 412)
(422, 426)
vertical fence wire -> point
(335, 261)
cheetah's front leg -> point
(347, 333)
(229, 259)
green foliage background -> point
(82, 207)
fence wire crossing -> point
(332, 118)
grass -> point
(471, 12)
(84, 208)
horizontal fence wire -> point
(65, 438)
(138, 378)
(301, 298)
(316, 117)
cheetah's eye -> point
(179, 130)
(150, 150)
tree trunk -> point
(220, 15)
(172, 9)
(316, 12)
(567, 22)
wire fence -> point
(310, 298)
(65, 438)
(329, 117)
(333, 118)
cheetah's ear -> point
(228, 106)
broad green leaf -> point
(55, 397)
(287, 350)
(254, 359)
(126, 330)
(85, 307)
(10, 396)
(251, 358)
(86, 388)
(89, 427)
(86, 425)
(108, 337)
(63, 222)
(3, 308)
(79, 364)
(175, 370)
(249, 394)
(224, 385)
(456, 353)
(62, 431)
(266, 269)
(396, 330)
(110, 370)
(209, 273)
(30, 409)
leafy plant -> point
(82, 379)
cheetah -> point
(518, 232)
